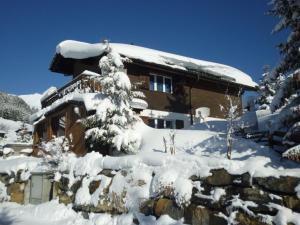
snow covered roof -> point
(79, 50)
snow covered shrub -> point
(54, 149)
(111, 128)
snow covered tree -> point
(289, 13)
(266, 89)
(283, 87)
(23, 134)
(111, 128)
(232, 112)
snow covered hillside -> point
(13, 108)
(33, 100)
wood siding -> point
(74, 129)
(188, 93)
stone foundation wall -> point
(262, 192)
(202, 210)
(15, 187)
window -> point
(169, 124)
(159, 123)
(163, 123)
(160, 83)
(58, 124)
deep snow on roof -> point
(82, 50)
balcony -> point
(83, 83)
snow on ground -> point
(81, 50)
(53, 213)
(198, 150)
(13, 164)
(33, 100)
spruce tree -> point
(111, 128)
(266, 89)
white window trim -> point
(164, 82)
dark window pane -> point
(159, 81)
(169, 124)
(168, 84)
(160, 123)
(151, 123)
(179, 124)
(58, 125)
(61, 126)
(152, 83)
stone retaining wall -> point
(201, 210)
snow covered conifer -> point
(23, 135)
(266, 89)
(289, 13)
(111, 128)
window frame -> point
(164, 83)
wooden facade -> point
(46, 129)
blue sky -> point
(233, 32)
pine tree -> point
(289, 13)
(266, 89)
(111, 128)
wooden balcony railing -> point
(83, 83)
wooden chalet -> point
(177, 88)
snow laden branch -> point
(112, 127)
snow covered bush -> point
(54, 150)
(111, 128)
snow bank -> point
(50, 213)
(15, 163)
(284, 215)
(53, 213)
(81, 50)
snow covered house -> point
(177, 88)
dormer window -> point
(160, 83)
